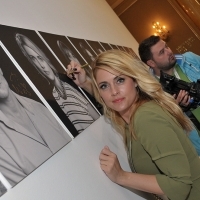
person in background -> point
(158, 56)
(153, 127)
(29, 134)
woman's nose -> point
(40, 64)
(114, 91)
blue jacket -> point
(190, 65)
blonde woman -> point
(153, 127)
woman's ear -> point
(135, 83)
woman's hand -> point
(110, 164)
(76, 73)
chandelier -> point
(160, 30)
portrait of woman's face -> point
(90, 55)
(39, 62)
(70, 55)
(67, 52)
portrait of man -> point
(30, 134)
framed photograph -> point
(84, 49)
(96, 46)
(47, 74)
(30, 133)
(106, 46)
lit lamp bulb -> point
(160, 30)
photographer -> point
(158, 56)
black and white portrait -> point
(114, 46)
(96, 46)
(30, 134)
(63, 48)
(48, 75)
(121, 48)
(106, 46)
(84, 49)
(66, 53)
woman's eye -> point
(40, 58)
(120, 80)
(103, 86)
(32, 58)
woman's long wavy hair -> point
(148, 88)
(23, 41)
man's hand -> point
(183, 99)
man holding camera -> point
(158, 56)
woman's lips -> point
(118, 100)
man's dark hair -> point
(145, 47)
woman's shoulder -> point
(150, 110)
(150, 106)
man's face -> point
(163, 57)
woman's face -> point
(90, 55)
(117, 91)
(40, 63)
(70, 55)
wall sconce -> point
(160, 30)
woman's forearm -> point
(87, 86)
(146, 183)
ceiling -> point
(190, 7)
(181, 17)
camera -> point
(173, 85)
